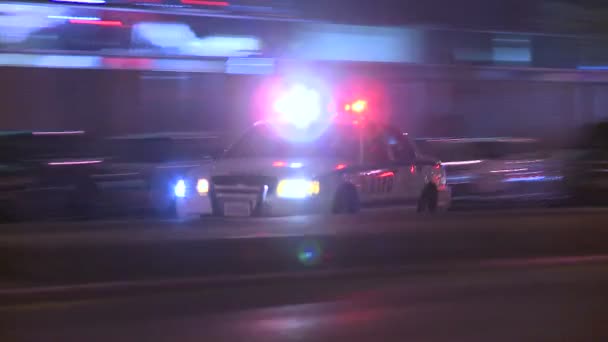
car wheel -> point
(428, 200)
(346, 201)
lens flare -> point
(310, 253)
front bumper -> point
(275, 206)
(269, 205)
(193, 206)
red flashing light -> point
(114, 23)
(279, 164)
(355, 112)
(340, 166)
(205, 3)
(359, 106)
(437, 166)
(119, 62)
(413, 169)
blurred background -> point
(115, 116)
(477, 68)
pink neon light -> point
(279, 164)
(96, 22)
(81, 162)
(387, 174)
(58, 133)
(462, 162)
(206, 3)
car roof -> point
(168, 135)
(479, 140)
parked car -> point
(497, 170)
(141, 173)
(44, 174)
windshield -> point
(160, 150)
(35, 147)
(262, 142)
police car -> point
(337, 165)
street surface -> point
(384, 275)
(59, 253)
(523, 302)
(371, 221)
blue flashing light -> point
(180, 189)
(300, 106)
(593, 67)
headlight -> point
(202, 186)
(297, 188)
(180, 188)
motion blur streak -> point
(67, 17)
(387, 174)
(82, 1)
(464, 162)
(80, 162)
(206, 3)
(58, 133)
(96, 22)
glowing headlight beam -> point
(297, 188)
(202, 186)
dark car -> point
(44, 174)
(140, 172)
(497, 170)
(586, 166)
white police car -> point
(346, 167)
(296, 165)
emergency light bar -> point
(299, 106)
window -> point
(376, 150)
(154, 150)
(262, 142)
(399, 146)
(31, 147)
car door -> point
(378, 172)
(409, 171)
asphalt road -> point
(371, 221)
(57, 253)
(525, 301)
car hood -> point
(309, 167)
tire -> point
(428, 200)
(346, 201)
